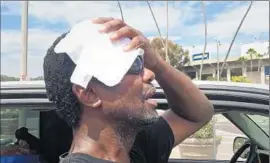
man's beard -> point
(129, 122)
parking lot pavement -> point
(224, 150)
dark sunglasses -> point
(137, 66)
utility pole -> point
(218, 43)
(205, 38)
(23, 76)
(24, 30)
(214, 118)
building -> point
(260, 47)
(259, 73)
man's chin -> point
(147, 117)
(139, 118)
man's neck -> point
(103, 140)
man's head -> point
(127, 102)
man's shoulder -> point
(80, 158)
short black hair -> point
(58, 68)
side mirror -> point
(238, 143)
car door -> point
(232, 101)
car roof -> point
(223, 95)
(41, 84)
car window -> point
(201, 145)
(14, 122)
(261, 121)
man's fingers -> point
(112, 25)
(101, 20)
(135, 43)
(125, 32)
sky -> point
(49, 19)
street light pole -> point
(214, 118)
(217, 41)
(24, 30)
(23, 76)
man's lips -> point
(150, 93)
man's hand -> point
(120, 29)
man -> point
(119, 124)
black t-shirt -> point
(153, 144)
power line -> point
(122, 15)
(159, 32)
(228, 52)
(154, 18)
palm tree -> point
(259, 57)
(236, 33)
(205, 39)
(243, 60)
(251, 53)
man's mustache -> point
(149, 91)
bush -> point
(210, 78)
(241, 79)
(206, 132)
(9, 114)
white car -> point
(246, 106)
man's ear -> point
(88, 97)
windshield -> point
(261, 121)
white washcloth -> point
(95, 55)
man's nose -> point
(148, 76)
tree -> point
(38, 78)
(259, 57)
(243, 60)
(210, 78)
(178, 57)
(251, 53)
(9, 78)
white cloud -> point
(69, 12)
(11, 48)
(73, 11)
(225, 24)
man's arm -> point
(189, 107)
